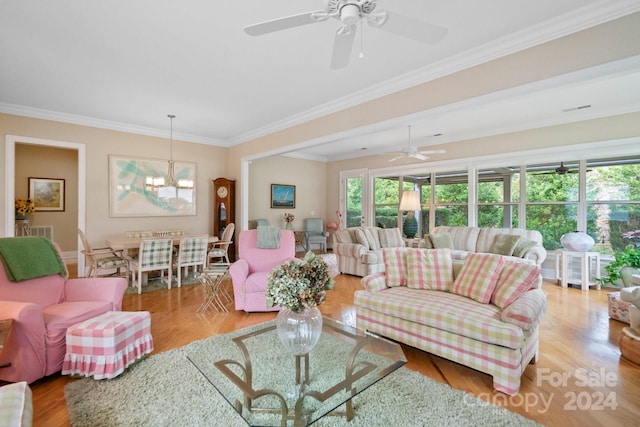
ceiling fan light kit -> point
(349, 12)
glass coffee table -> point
(268, 386)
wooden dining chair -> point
(220, 248)
(153, 255)
(192, 252)
(105, 259)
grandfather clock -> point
(224, 196)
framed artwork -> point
(283, 196)
(138, 187)
(47, 194)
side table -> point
(5, 328)
(586, 280)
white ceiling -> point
(125, 65)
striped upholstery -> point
(355, 258)
(472, 239)
(16, 406)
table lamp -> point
(410, 202)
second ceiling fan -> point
(349, 12)
(411, 151)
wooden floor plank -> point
(577, 339)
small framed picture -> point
(283, 196)
(47, 194)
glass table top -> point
(268, 386)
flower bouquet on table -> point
(299, 284)
(298, 287)
(24, 207)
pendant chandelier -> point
(171, 175)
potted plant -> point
(625, 264)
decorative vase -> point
(289, 226)
(577, 241)
(410, 225)
(299, 332)
(20, 217)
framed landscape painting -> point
(283, 196)
(47, 194)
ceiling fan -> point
(411, 151)
(349, 12)
(560, 170)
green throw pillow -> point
(504, 244)
(441, 241)
(523, 247)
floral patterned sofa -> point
(482, 312)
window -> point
(451, 198)
(387, 199)
(498, 193)
(613, 203)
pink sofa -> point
(249, 273)
(43, 309)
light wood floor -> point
(579, 380)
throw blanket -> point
(268, 237)
(26, 258)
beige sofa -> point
(467, 240)
(482, 315)
(359, 249)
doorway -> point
(10, 164)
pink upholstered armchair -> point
(249, 273)
(42, 309)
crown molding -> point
(560, 26)
(38, 113)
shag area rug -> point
(167, 390)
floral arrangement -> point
(299, 284)
(24, 206)
(288, 218)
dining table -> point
(123, 243)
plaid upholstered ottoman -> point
(104, 346)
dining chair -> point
(153, 255)
(139, 234)
(314, 234)
(192, 252)
(220, 248)
(103, 259)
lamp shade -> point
(410, 201)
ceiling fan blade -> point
(284, 23)
(418, 156)
(342, 46)
(411, 28)
(432, 151)
(396, 158)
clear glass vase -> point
(299, 332)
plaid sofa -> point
(498, 341)
(359, 249)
